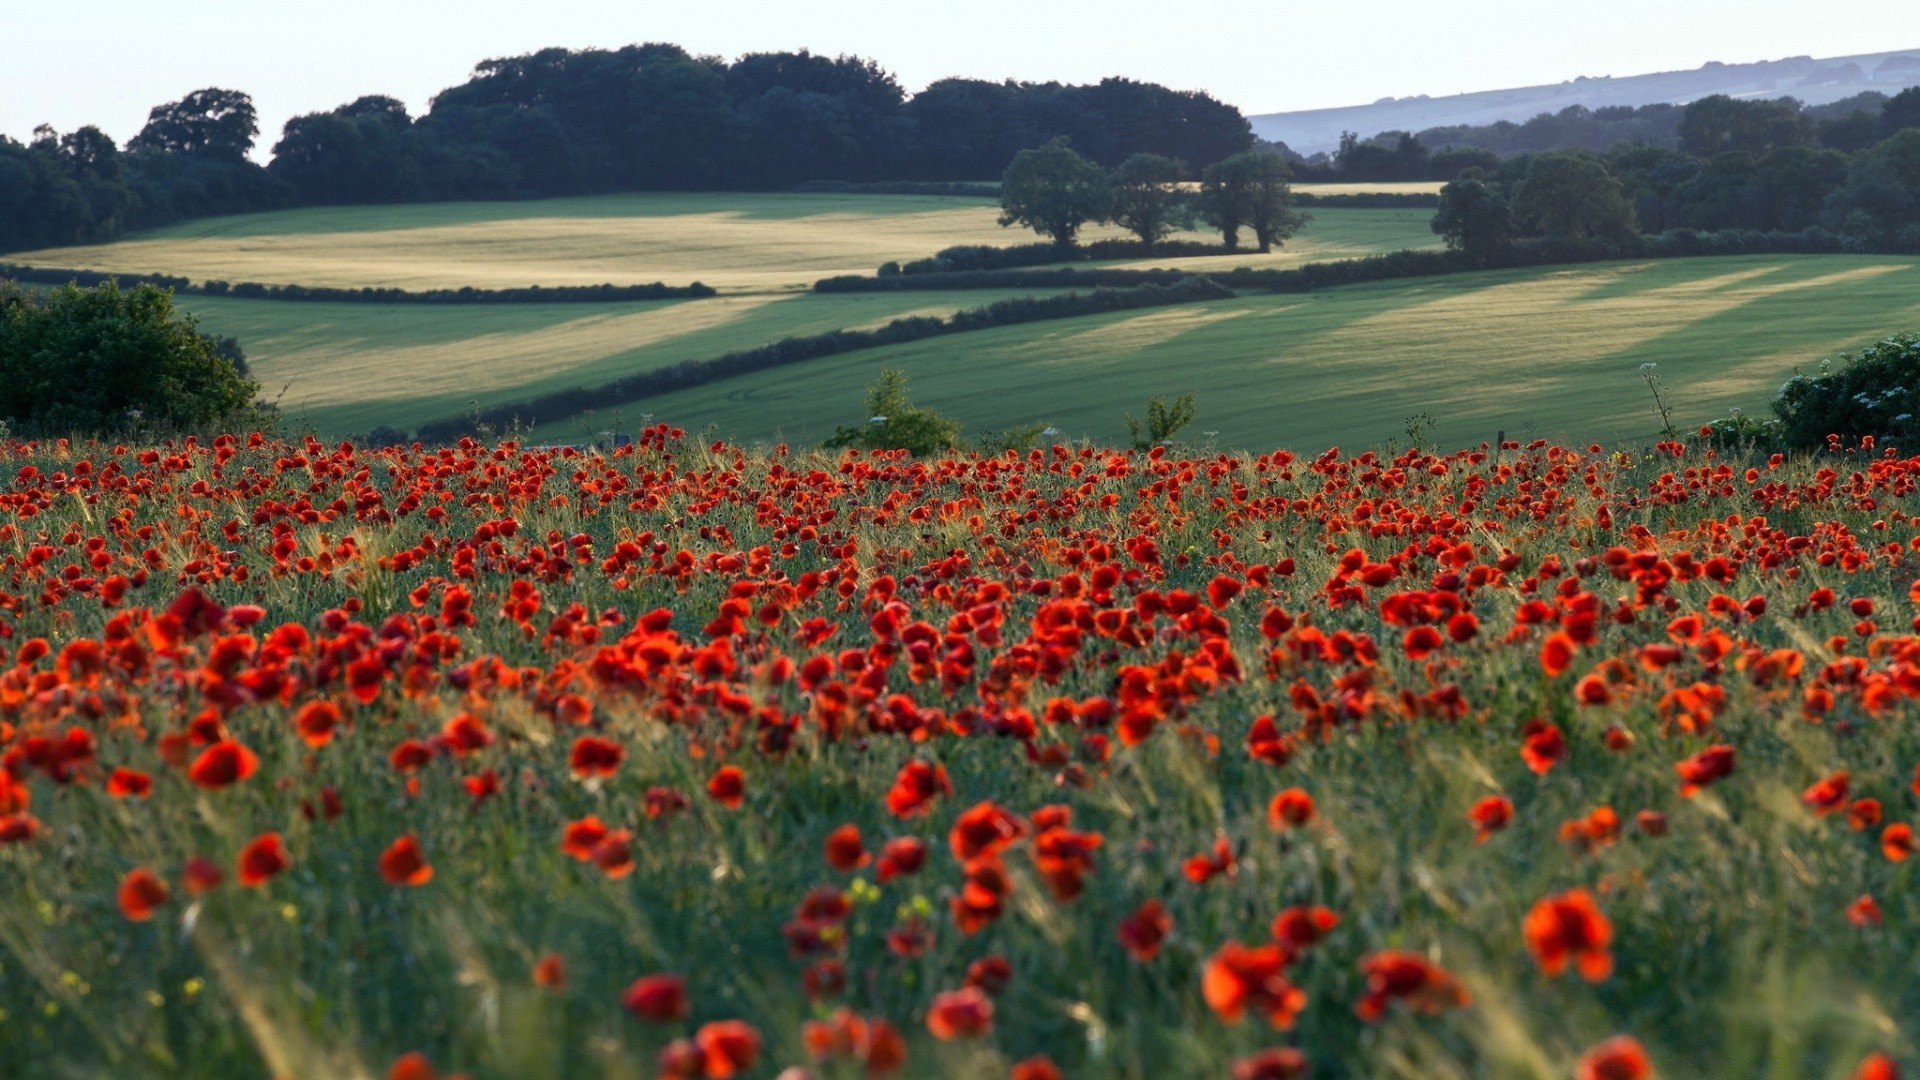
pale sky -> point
(106, 62)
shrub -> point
(894, 423)
(1163, 422)
(106, 358)
(1875, 391)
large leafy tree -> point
(1569, 194)
(79, 360)
(212, 122)
(1251, 191)
(1146, 197)
(1474, 216)
(1054, 191)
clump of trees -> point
(570, 122)
(106, 359)
(1056, 192)
(1762, 177)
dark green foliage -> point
(213, 123)
(1902, 111)
(972, 257)
(1053, 190)
(1569, 194)
(1474, 217)
(1164, 421)
(1250, 191)
(895, 423)
(1719, 124)
(249, 290)
(106, 359)
(1875, 391)
(1369, 200)
(1145, 197)
(1011, 312)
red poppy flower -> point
(1201, 869)
(223, 763)
(127, 783)
(1038, 1067)
(1896, 842)
(727, 1048)
(1556, 654)
(1570, 928)
(141, 892)
(580, 837)
(1827, 795)
(1266, 743)
(1877, 1067)
(845, 851)
(1489, 816)
(550, 972)
(665, 802)
(316, 722)
(984, 830)
(960, 1014)
(728, 787)
(403, 863)
(1706, 767)
(1864, 911)
(466, 734)
(1143, 931)
(263, 857)
(904, 855)
(1290, 809)
(915, 788)
(1411, 978)
(1302, 924)
(660, 998)
(1619, 1058)
(613, 853)
(201, 875)
(1279, 1063)
(594, 756)
(1543, 746)
(1238, 979)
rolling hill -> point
(1813, 81)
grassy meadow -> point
(345, 368)
(733, 242)
(1552, 352)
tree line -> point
(572, 122)
(1701, 129)
(1867, 201)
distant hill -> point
(1814, 82)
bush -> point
(894, 423)
(1875, 391)
(103, 359)
(253, 290)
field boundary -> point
(1390, 266)
(250, 290)
(1189, 289)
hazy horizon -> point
(137, 56)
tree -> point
(1147, 201)
(1474, 216)
(895, 423)
(1570, 194)
(1053, 191)
(86, 360)
(1250, 190)
(1719, 124)
(214, 122)
(1902, 111)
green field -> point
(737, 243)
(345, 368)
(1552, 352)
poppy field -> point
(693, 761)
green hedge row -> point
(1011, 312)
(247, 290)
